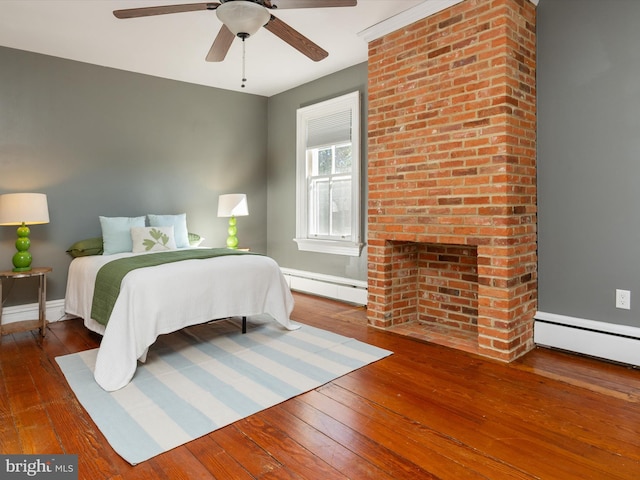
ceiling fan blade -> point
(309, 3)
(165, 9)
(221, 45)
(296, 39)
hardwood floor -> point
(425, 412)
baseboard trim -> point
(29, 311)
(619, 343)
(338, 288)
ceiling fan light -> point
(241, 16)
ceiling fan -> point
(243, 18)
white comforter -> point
(166, 298)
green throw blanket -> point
(110, 275)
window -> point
(328, 176)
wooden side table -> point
(41, 322)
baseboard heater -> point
(618, 343)
(338, 288)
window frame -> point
(353, 245)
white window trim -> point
(353, 246)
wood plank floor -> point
(425, 412)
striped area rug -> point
(208, 376)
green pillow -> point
(84, 248)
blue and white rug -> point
(208, 376)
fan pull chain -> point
(244, 76)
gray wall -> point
(100, 141)
(281, 228)
(589, 157)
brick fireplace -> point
(452, 178)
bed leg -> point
(244, 324)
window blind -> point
(329, 129)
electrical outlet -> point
(623, 299)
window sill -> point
(329, 246)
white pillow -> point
(152, 239)
(179, 223)
(116, 233)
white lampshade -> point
(241, 16)
(233, 205)
(27, 208)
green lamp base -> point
(22, 258)
(232, 240)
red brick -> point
(452, 160)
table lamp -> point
(23, 209)
(232, 205)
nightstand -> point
(41, 322)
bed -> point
(161, 299)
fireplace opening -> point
(435, 293)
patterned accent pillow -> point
(195, 240)
(152, 239)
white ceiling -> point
(174, 46)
